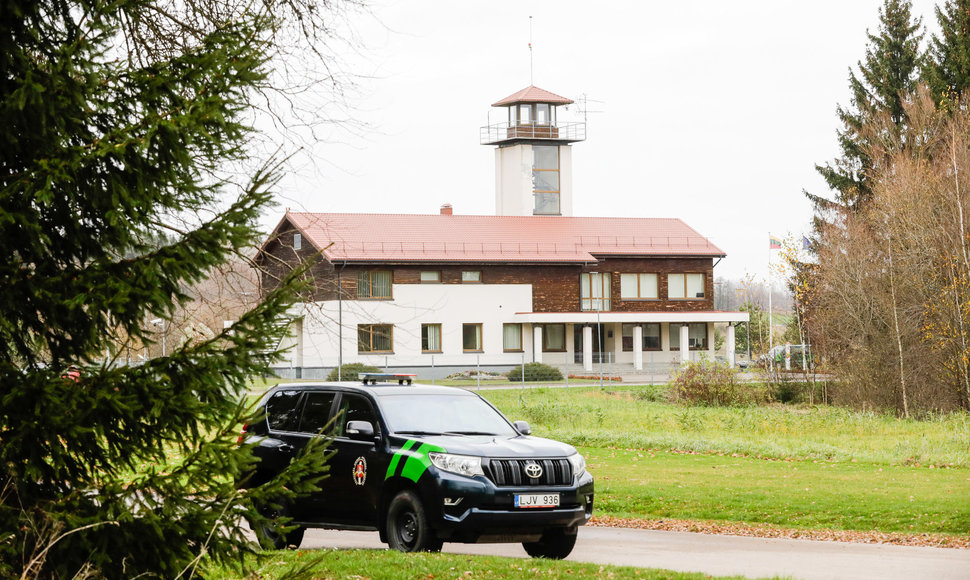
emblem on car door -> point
(533, 470)
(360, 471)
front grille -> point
(513, 472)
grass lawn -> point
(819, 468)
(633, 417)
(801, 494)
(392, 565)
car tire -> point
(268, 532)
(408, 529)
(555, 545)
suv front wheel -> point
(408, 529)
(554, 545)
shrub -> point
(712, 383)
(535, 372)
(348, 372)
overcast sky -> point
(710, 111)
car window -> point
(282, 412)
(458, 413)
(316, 412)
(354, 408)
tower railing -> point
(502, 132)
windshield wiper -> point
(467, 433)
(410, 432)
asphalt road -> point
(719, 555)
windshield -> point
(439, 414)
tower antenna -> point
(531, 81)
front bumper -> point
(476, 510)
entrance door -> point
(598, 341)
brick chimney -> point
(446, 209)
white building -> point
(533, 283)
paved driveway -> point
(720, 555)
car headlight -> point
(460, 464)
(578, 463)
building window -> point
(374, 284)
(375, 338)
(553, 338)
(471, 337)
(430, 277)
(594, 291)
(542, 113)
(512, 337)
(638, 286)
(471, 276)
(297, 241)
(685, 286)
(696, 336)
(545, 179)
(430, 338)
(651, 336)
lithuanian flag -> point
(774, 242)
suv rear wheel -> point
(269, 534)
(408, 529)
(555, 545)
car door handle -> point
(286, 448)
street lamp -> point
(160, 322)
(599, 330)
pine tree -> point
(890, 71)
(948, 69)
(125, 471)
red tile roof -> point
(533, 94)
(476, 238)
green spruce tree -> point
(948, 66)
(126, 471)
(890, 71)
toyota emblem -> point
(533, 470)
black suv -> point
(424, 465)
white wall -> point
(513, 180)
(450, 305)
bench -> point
(401, 378)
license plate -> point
(536, 500)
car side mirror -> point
(522, 427)
(362, 430)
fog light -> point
(452, 501)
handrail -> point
(501, 132)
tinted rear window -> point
(317, 412)
(282, 411)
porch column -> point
(537, 343)
(729, 343)
(588, 348)
(638, 347)
(684, 346)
